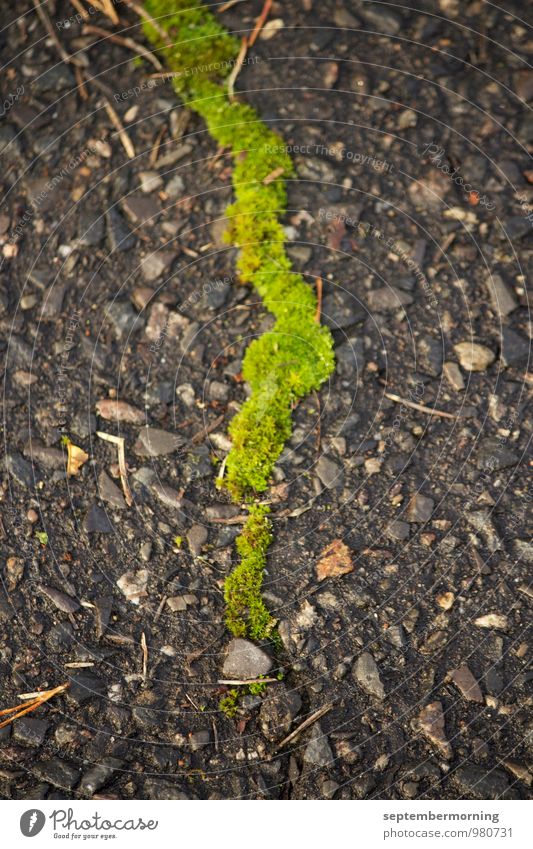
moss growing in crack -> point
(246, 612)
(229, 705)
(296, 356)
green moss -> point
(246, 612)
(230, 703)
(296, 356)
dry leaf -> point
(335, 560)
(76, 458)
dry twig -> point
(144, 647)
(33, 701)
(106, 6)
(141, 11)
(119, 442)
(420, 407)
(277, 172)
(236, 69)
(129, 43)
(260, 23)
(319, 287)
(127, 143)
(81, 9)
(238, 682)
(318, 714)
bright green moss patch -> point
(246, 612)
(296, 356)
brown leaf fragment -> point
(76, 457)
(335, 560)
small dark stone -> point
(62, 601)
(279, 708)
(85, 686)
(96, 777)
(493, 456)
(154, 442)
(482, 784)
(31, 732)
(58, 772)
(109, 491)
(22, 471)
(516, 226)
(199, 739)
(381, 19)
(61, 636)
(90, 228)
(341, 309)
(118, 233)
(97, 521)
(123, 318)
(160, 790)
(397, 530)
(515, 349)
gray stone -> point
(123, 318)
(97, 521)
(388, 298)
(31, 732)
(175, 187)
(501, 297)
(420, 508)
(341, 309)
(21, 470)
(199, 739)
(278, 710)
(492, 456)
(381, 18)
(58, 772)
(118, 233)
(85, 686)
(329, 472)
(154, 442)
(61, 600)
(367, 674)
(109, 492)
(156, 264)
(397, 530)
(91, 228)
(481, 521)
(482, 784)
(50, 458)
(168, 496)
(149, 181)
(98, 775)
(515, 349)
(318, 751)
(197, 538)
(244, 660)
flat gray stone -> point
(420, 508)
(502, 299)
(318, 751)
(329, 472)
(367, 675)
(244, 660)
(109, 492)
(154, 442)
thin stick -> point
(129, 43)
(159, 610)
(201, 434)
(144, 648)
(238, 682)
(46, 22)
(82, 88)
(228, 5)
(319, 287)
(141, 11)
(106, 6)
(81, 9)
(277, 172)
(119, 442)
(35, 703)
(420, 407)
(318, 714)
(236, 68)
(154, 153)
(127, 143)
(260, 23)
(233, 520)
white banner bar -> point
(265, 824)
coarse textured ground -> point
(116, 284)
